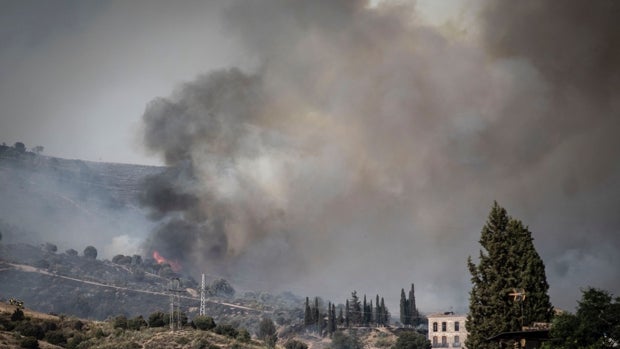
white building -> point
(447, 330)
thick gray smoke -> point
(365, 149)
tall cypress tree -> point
(414, 314)
(308, 313)
(317, 314)
(347, 316)
(508, 262)
(404, 309)
(378, 312)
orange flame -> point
(175, 265)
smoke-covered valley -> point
(361, 148)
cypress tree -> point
(365, 312)
(332, 324)
(347, 318)
(308, 313)
(378, 312)
(340, 316)
(404, 318)
(329, 317)
(317, 314)
(414, 314)
(371, 317)
(509, 262)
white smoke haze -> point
(366, 148)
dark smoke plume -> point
(365, 148)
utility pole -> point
(175, 303)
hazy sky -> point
(382, 130)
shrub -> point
(295, 344)
(120, 322)
(244, 336)
(267, 332)
(412, 340)
(201, 344)
(56, 338)
(18, 315)
(156, 319)
(71, 252)
(29, 342)
(75, 341)
(204, 323)
(78, 325)
(28, 329)
(136, 323)
(226, 330)
(90, 252)
(49, 326)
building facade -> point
(447, 330)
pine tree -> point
(508, 263)
(347, 318)
(371, 317)
(340, 316)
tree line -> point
(353, 313)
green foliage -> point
(226, 330)
(412, 340)
(267, 332)
(221, 287)
(507, 262)
(295, 344)
(30, 343)
(90, 252)
(18, 315)
(120, 322)
(56, 338)
(156, 319)
(595, 325)
(203, 322)
(71, 252)
(136, 323)
(243, 336)
(29, 329)
(340, 340)
(20, 147)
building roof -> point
(446, 314)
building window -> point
(457, 340)
(435, 341)
(444, 326)
(434, 327)
(457, 326)
(444, 341)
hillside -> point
(71, 332)
(47, 199)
